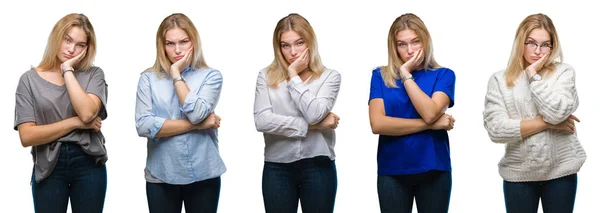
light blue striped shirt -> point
(189, 157)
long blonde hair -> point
(411, 22)
(277, 70)
(517, 63)
(60, 30)
(162, 63)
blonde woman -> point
(174, 110)
(406, 108)
(58, 112)
(292, 108)
(529, 107)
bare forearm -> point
(83, 104)
(424, 104)
(385, 125)
(175, 127)
(33, 135)
(532, 127)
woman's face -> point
(291, 45)
(537, 44)
(73, 44)
(177, 43)
(407, 43)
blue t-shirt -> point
(418, 152)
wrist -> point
(66, 69)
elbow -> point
(430, 119)
(86, 117)
(25, 141)
(375, 128)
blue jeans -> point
(312, 180)
(558, 195)
(431, 190)
(76, 176)
(198, 197)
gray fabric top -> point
(43, 102)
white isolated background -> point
(472, 38)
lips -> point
(536, 58)
(68, 56)
(178, 58)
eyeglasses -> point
(545, 47)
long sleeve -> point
(315, 107)
(556, 100)
(500, 127)
(268, 122)
(199, 104)
(146, 122)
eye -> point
(68, 40)
(529, 43)
(416, 42)
(546, 45)
(170, 43)
(81, 45)
(285, 46)
(300, 43)
(184, 42)
(401, 44)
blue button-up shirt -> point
(189, 157)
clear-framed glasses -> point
(544, 48)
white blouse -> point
(283, 115)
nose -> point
(71, 49)
(294, 51)
(177, 49)
(537, 50)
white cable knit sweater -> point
(546, 155)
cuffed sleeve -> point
(268, 122)
(199, 104)
(500, 127)
(146, 122)
(556, 101)
(315, 107)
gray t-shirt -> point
(42, 102)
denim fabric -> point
(557, 195)
(312, 180)
(431, 190)
(76, 176)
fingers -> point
(574, 118)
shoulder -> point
(27, 75)
(564, 67)
(209, 72)
(263, 72)
(498, 78)
(443, 72)
(331, 73)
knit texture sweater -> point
(549, 154)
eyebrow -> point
(186, 38)
(397, 41)
(528, 38)
(283, 42)
(81, 42)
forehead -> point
(290, 36)
(77, 34)
(176, 34)
(406, 35)
(539, 34)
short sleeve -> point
(445, 83)
(98, 87)
(376, 85)
(24, 109)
